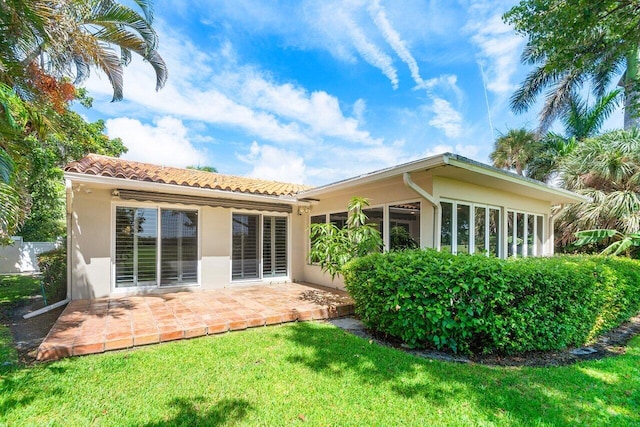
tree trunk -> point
(632, 92)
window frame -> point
(472, 226)
(525, 244)
(158, 207)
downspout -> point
(69, 210)
(552, 226)
(406, 177)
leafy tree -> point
(69, 37)
(332, 247)
(515, 150)
(573, 43)
(607, 170)
(43, 47)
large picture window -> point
(146, 235)
(469, 228)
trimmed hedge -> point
(473, 303)
(53, 267)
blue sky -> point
(314, 91)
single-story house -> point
(137, 227)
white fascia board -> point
(416, 165)
(463, 163)
(129, 184)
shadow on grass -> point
(191, 413)
(566, 395)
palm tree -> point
(68, 38)
(515, 150)
(580, 121)
(573, 45)
(607, 170)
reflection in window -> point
(494, 232)
(339, 219)
(446, 227)
(480, 230)
(375, 219)
(404, 226)
(469, 228)
(525, 233)
(179, 254)
(462, 228)
(136, 246)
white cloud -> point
(368, 50)
(446, 118)
(392, 37)
(234, 96)
(359, 108)
(165, 143)
(274, 163)
(318, 110)
(500, 49)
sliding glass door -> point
(145, 235)
(259, 247)
(136, 247)
(179, 247)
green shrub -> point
(53, 267)
(480, 304)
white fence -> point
(22, 257)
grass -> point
(316, 374)
(14, 290)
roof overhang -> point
(97, 181)
(462, 169)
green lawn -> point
(316, 374)
(14, 290)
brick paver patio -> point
(94, 326)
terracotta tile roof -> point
(113, 167)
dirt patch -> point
(29, 333)
(613, 343)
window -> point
(375, 218)
(259, 247)
(469, 228)
(339, 219)
(179, 247)
(404, 226)
(446, 227)
(136, 247)
(274, 246)
(146, 235)
(525, 234)
(244, 252)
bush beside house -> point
(53, 267)
(479, 304)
